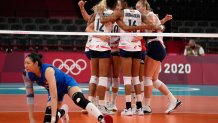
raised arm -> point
(30, 96)
(49, 75)
(153, 21)
(85, 15)
(166, 18)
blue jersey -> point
(63, 81)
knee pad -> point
(109, 82)
(80, 100)
(127, 80)
(157, 83)
(93, 80)
(47, 117)
(103, 81)
(142, 86)
(148, 81)
(115, 82)
(135, 80)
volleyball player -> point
(57, 83)
(130, 52)
(94, 77)
(155, 55)
(100, 50)
(115, 63)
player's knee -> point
(47, 117)
(93, 80)
(80, 100)
(157, 83)
(115, 83)
(135, 80)
(103, 81)
(127, 80)
(142, 86)
(148, 81)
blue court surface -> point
(180, 90)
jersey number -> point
(100, 26)
(132, 23)
(116, 28)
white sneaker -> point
(104, 110)
(147, 109)
(139, 111)
(112, 107)
(172, 106)
(127, 112)
(108, 105)
(65, 117)
(134, 109)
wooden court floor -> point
(195, 109)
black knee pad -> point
(47, 117)
(80, 100)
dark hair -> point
(111, 3)
(131, 3)
(35, 57)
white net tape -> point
(200, 35)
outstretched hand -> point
(81, 3)
(168, 17)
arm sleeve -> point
(29, 88)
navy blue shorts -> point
(115, 53)
(156, 51)
(143, 57)
(63, 88)
(133, 54)
(88, 55)
(100, 54)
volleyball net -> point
(75, 41)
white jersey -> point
(130, 18)
(114, 42)
(158, 38)
(96, 43)
(88, 43)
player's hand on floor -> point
(32, 120)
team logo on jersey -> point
(70, 66)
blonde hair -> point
(146, 4)
(101, 6)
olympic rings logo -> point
(70, 65)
